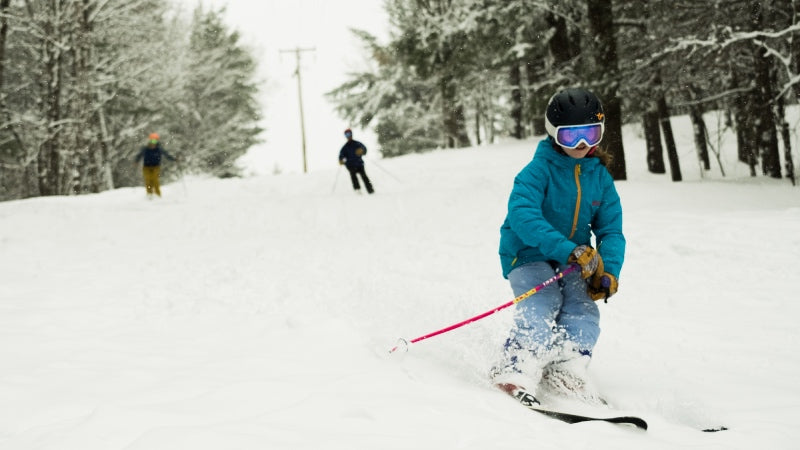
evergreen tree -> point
(217, 117)
(82, 83)
(394, 98)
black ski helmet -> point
(573, 106)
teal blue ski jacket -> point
(557, 203)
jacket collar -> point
(546, 151)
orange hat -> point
(154, 136)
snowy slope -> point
(258, 313)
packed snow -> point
(258, 313)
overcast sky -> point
(270, 26)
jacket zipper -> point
(578, 201)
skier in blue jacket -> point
(562, 197)
(350, 156)
(150, 155)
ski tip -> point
(508, 388)
(519, 393)
(637, 422)
(715, 429)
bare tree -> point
(606, 68)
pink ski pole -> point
(405, 343)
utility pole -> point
(297, 51)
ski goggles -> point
(571, 136)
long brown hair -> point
(604, 156)
(598, 152)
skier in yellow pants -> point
(151, 167)
(151, 176)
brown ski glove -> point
(589, 260)
(602, 286)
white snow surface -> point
(258, 313)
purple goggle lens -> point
(570, 136)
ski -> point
(529, 401)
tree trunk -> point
(3, 35)
(558, 45)
(98, 174)
(669, 139)
(515, 79)
(30, 183)
(478, 110)
(652, 138)
(787, 142)
(795, 45)
(14, 141)
(766, 130)
(83, 166)
(462, 138)
(612, 138)
(561, 48)
(536, 101)
(745, 138)
(455, 127)
(605, 67)
(48, 157)
(700, 136)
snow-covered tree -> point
(83, 82)
(394, 98)
(216, 119)
(646, 60)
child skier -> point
(562, 197)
